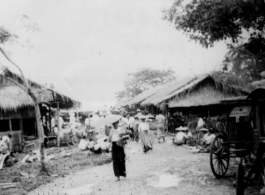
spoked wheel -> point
(220, 127)
(240, 184)
(219, 157)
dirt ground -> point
(27, 175)
(168, 169)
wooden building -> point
(17, 114)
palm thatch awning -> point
(14, 97)
(226, 84)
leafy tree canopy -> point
(144, 79)
(210, 21)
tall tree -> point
(240, 21)
(6, 36)
(144, 79)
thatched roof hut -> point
(202, 97)
(14, 97)
(203, 89)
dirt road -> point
(167, 169)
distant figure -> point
(160, 127)
(52, 124)
(3, 147)
(61, 122)
(125, 120)
(83, 144)
(136, 131)
(7, 140)
(180, 137)
(87, 122)
(131, 125)
(207, 141)
(200, 123)
(145, 135)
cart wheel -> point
(220, 127)
(75, 140)
(240, 186)
(219, 157)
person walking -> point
(160, 127)
(136, 131)
(131, 126)
(145, 135)
(118, 140)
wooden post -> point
(58, 125)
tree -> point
(6, 36)
(240, 21)
(144, 79)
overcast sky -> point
(86, 48)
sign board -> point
(240, 111)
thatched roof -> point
(204, 96)
(121, 103)
(142, 96)
(168, 89)
(227, 85)
(13, 97)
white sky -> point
(86, 48)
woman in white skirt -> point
(145, 135)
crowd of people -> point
(110, 134)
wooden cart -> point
(236, 141)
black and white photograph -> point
(132, 97)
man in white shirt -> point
(180, 138)
(160, 118)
